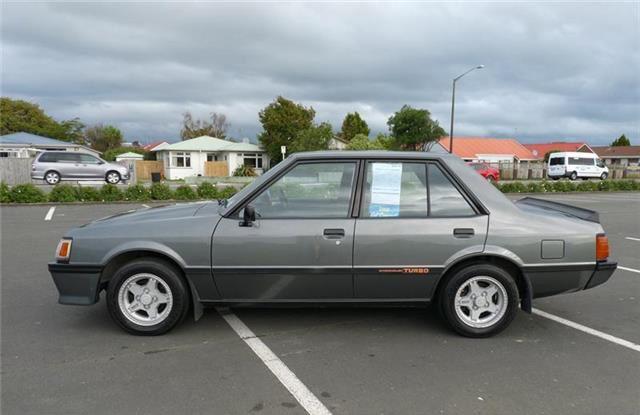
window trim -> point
(234, 213)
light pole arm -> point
(453, 103)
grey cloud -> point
(553, 70)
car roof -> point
(381, 154)
(573, 154)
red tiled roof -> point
(616, 151)
(470, 147)
(539, 150)
(152, 145)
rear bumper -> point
(602, 273)
(77, 284)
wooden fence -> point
(216, 169)
(144, 168)
(15, 170)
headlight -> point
(63, 251)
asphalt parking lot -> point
(73, 360)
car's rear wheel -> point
(491, 179)
(573, 176)
(52, 177)
(603, 176)
(479, 300)
(113, 177)
(147, 297)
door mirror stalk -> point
(248, 217)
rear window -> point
(556, 161)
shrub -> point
(110, 193)
(243, 170)
(5, 193)
(63, 193)
(160, 191)
(535, 187)
(27, 193)
(207, 191)
(88, 194)
(185, 192)
(226, 192)
(587, 186)
(137, 192)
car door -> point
(90, 167)
(69, 165)
(300, 246)
(413, 219)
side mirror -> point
(249, 216)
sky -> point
(553, 71)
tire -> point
(112, 177)
(491, 179)
(573, 176)
(52, 177)
(604, 176)
(459, 303)
(149, 285)
(555, 178)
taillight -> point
(602, 247)
(63, 251)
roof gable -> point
(206, 143)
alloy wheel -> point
(481, 302)
(145, 299)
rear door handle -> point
(333, 233)
(463, 232)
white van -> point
(574, 165)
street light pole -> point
(453, 103)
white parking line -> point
(632, 239)
(629, 269)
(588, 330)
(145, 206)
(303, 395)
(50, 213)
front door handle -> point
(333, 233)
(463, 232)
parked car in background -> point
(576, 165)
(336, 228)
(490, 173)
(54, 166)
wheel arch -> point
(115, 261)
(524, 285)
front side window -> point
(67, 157)
(395, 189)
(310, 190)
(181, 159)
(88, 159)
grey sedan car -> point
(398, 228)
(54, 166)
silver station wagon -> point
(398, 228)
(54, 166)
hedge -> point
(28, 193)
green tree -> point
(352, 126)
(362, 142)
(103, 137)
(282, 121)
(548, 153)
(314, 138)
(621, 141)
(216, 126)
(21, 116)
(413, 129)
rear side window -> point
(581, 161)
(556, 161)
(49, 158)
(411, 190)
(445, 199)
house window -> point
(182, 160)
(9, 153)
(212, 157)
(252, 160)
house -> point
(23, 145)
(490, 150)
(337, 143)
(541, 149)
(188, 158)
(129, 156)
(619, 155)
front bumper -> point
(77, 284)
(602, 273)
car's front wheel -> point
(113, 177)
(479, 300)
(147, 297)
(603, 176)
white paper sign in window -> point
(386, 181)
